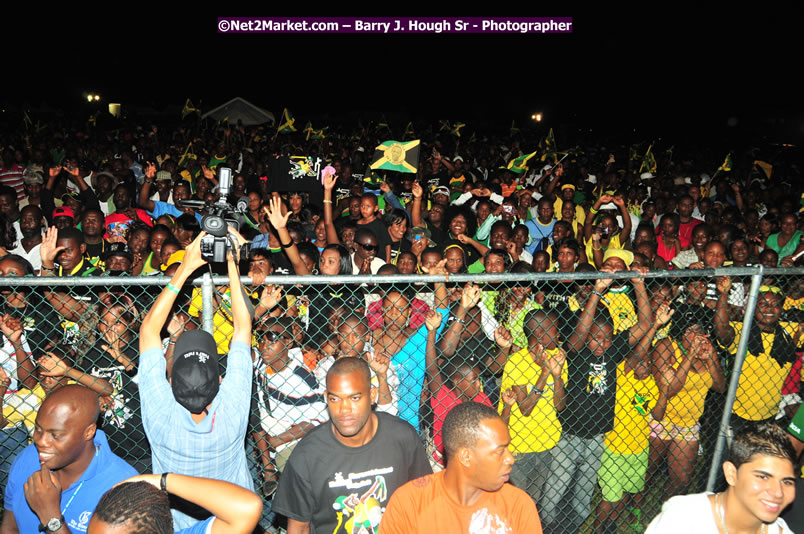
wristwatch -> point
(53, 524)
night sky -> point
(667, 72)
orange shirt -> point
(423, 506)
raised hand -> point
(470, 296)
(664, 313)
(503, 337)
(602, 284)
(417, 190)
(379, 363)
(723, 284)
(274, 213)
(508, 397)
(48, 250)
(555, 363)
(52, 365)
(150, 170)
(438, 268)
(11, 328)
(638, 280)
(271, 295)
(432, 320)
(329, 181)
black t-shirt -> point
(556, 298)
(333, 486)
(122, 421)
(590, 388)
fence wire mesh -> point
(615, 390)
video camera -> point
(218, 217)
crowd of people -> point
(605, 385)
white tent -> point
(239, 109)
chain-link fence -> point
(618, 392)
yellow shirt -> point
(614, 242)
(687, 406)
(760, 388)
(20, 407)
(221, 321)
(541, 430)
(620, 306)
(633, 402)
(580, 213)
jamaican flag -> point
(520, 164)
(396, 156)
(550, 148)
(456, 129)
(286, 126)
(216, 160)
(727, 164)
(188, 108)
(648, 162)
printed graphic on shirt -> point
(360, 511)
(596, 383)
(641, 403)
(117, 412)
(485, 522)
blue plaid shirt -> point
(213, 448)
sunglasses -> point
(272, 336)
(368, 248)
(770, 289)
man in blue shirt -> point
(196, 422)
(55, 483)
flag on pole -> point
(188, 109)
(520, 164)
(550, 148)
(286, 126)
(396, 156)
(648, 161)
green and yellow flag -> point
(648, 161)
(456, 129)
(286, 126)
(216, 160)
(549, 144)
(520, 164)
(396, 156)
(727, 164)
(188, 109)
(444, 125)
(308, 130)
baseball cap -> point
(195, 379)
(118, 249)
(64, 211)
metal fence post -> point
(748, 319)
(207, 303)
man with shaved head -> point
(55, 483)
(342, 473)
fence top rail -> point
(399, 278)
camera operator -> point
(196, 422)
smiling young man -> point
(55, 483)
(341, 475)
(471, 494)
(761, 483)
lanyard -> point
(64, 511)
